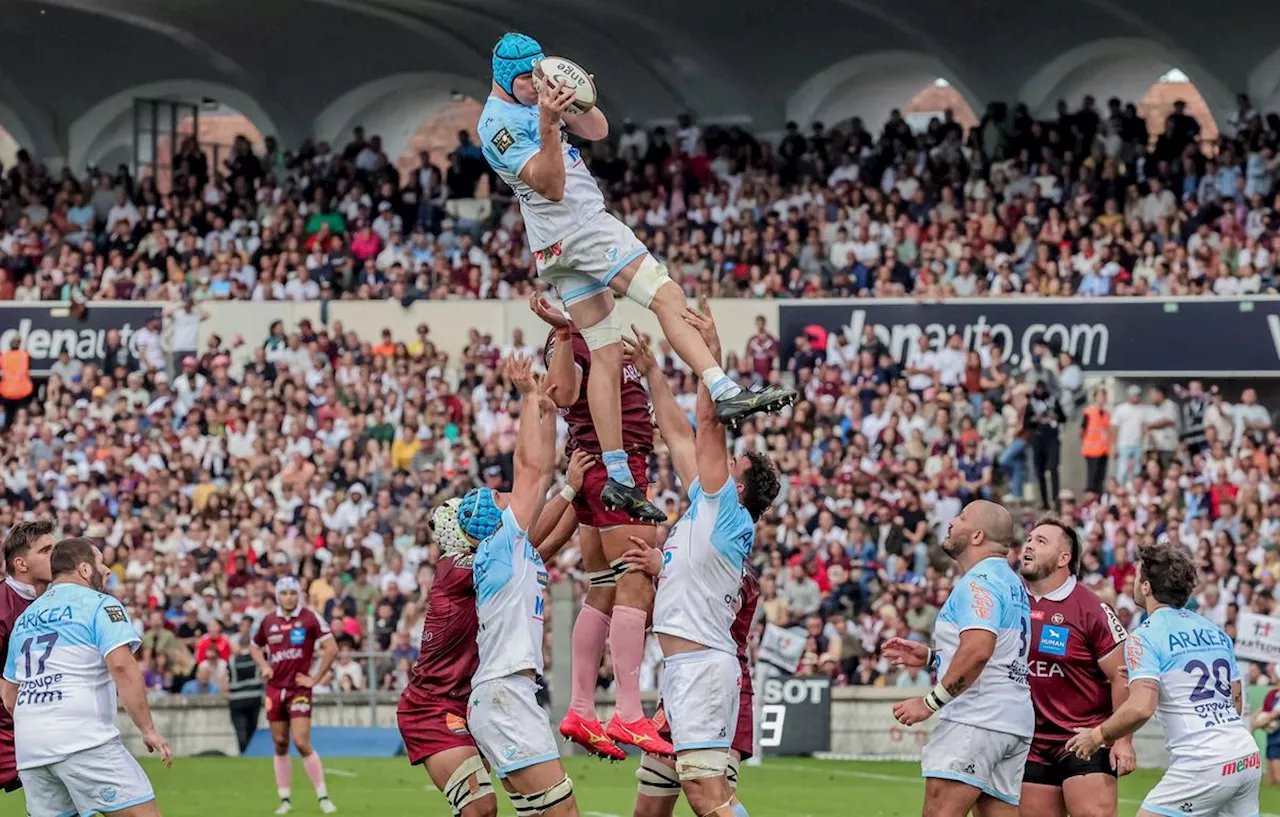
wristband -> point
(568, 493)
(938, 697)
(934, 660)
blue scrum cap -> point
(478, 515)
(514, 55)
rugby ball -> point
(571, 74)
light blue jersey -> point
(511, 584)
(66, 698)
(1195, 664)
(703, 558)
(509, 138)
(990, 597)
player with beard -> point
(976, 757)
(26, 559)
(1078, 679)
(617, 605)
(73, 649)
(290, 637)
(432, 714)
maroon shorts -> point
(285, 704)
(587, 505)
(9, 780)
(430, 725)
(1048, 751)
(742, 738)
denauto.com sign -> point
(1135, 337)
(46, 330)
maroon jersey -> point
(290, 642)
(762, 351)
(637, 422)
(741, 629)
(14, 598)
(1071, 630)
(449, 655)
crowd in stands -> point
(321, 453)
(1085, 202)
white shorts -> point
(508, 726)
(700, 697)
(103, 779)
(582, 264)
(1230, 790)
(990, 761)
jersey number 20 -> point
(1221, 679)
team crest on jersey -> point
(455, 724)
(1058, 618)
(503, 140)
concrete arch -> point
(106, 125)
(1124, 67)
(871, 86)
(393, 107)
(1263, 83)
(29, 126)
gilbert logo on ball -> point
(571, 74)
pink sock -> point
(315, 773)
(284, 774)
(626, 643)
(590, 632)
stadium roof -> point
(71, 68)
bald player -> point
(974, 760)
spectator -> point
(213, 645)
(204, 683)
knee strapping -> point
(551, 796)
(656, 779)
(522, 807)
(732, 772)
(725, 809)
(648, 279)
(702, 764)
(609, 576)
(606, 332)
(461, 791)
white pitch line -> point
(340, 773)
(598, 814)
(897, 778)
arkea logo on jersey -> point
(983, 603)
(1253, 761)
(503, 140)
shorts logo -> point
(297, 636)
(1053, 640)
(611, 254)
(1187, 807)
(108, 794)
(509, 753)
(1058, 618)
(115, 615)
(454, 724)
(503, 140)
(1253, 761)
(547, 254)
(302, 703)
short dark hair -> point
(1073, 540)
(760, 485)
(22, 536)
(69, 554)
(1169, 571)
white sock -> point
(284, 794)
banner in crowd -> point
(795, 718)
(47, 330)
(1133, 337)
(1257, 637)
(782, 647)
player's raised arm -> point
(535, 444)
(709, 443)
(544, 172)
(558, 521)
(562, 371)
(592, 125)
(673, 425)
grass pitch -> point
(783, 787)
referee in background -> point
(244, 685)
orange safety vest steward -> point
(1097, 432)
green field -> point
(204, 786)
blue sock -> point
(615, 462)
(719, 384)
(740, 811)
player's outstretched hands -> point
(1084, 743)
(549, 314)
(1123, 758)
(544, 395)
(902, 652)
(642, 558)
(638, 352)
(519, 370)
(158, 745)
(578, 465)
(912, 711)
(702, 320)
(554, 97)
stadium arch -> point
(102, 131)
(870, 86)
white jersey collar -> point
(27, 591)
(1062, 592)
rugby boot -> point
(640, 733)
(589, 734)
(629, 498)
(733, 410)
